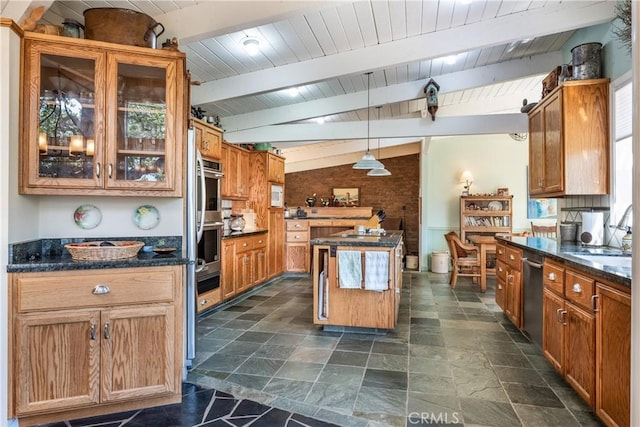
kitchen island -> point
(357, 279)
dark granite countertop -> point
(50, 255)
(389, 239)
(566, 253)
(228, 234)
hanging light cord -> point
(368, 105)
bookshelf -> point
(485, 215)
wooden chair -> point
(548, 231)
(466, 259)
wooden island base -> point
(363, 308)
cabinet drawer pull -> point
(92, 332)
(511, 257)
(97, 169)
(562, 314)
(260, 241)
(101, 290)
(204, 302)
(500, 269)
(500, 251)
(500, 287)
(297, 236)
(576, 288)
(552, 277)
(110, 170)
(297, 225)
(594, 306)
(245, 245)
(558, 315)
(106, 331)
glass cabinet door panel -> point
(141, 125)
(64, 117)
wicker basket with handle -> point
(104, 250)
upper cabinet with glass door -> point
(101, 118)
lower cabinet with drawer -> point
(509, 282)
(297, 256)
(569, 327)
(92, 342)
(244, 264)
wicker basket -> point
(92, 251)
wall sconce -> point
(467, 178)
(76, 145)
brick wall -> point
(391, 193)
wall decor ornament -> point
(431, 90)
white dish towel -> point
(349, 269)
(376, 271)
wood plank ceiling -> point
(487, 56)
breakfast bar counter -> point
(357, 279)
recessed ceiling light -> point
(451, 59)
(293, 91)
(251, 45)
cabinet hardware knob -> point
(101, 290)
(92, 332)
(511, 257)
(500, 269)
(500, 251)
(245, 245)
(500, 287)
(552, 276)
(576, 288)
(106, 331)
(204, 302)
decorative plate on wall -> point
(87, 216)
(146, 217)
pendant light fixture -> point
(379, 171)
(368, 161)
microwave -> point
(277, 196)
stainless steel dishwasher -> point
(532, 265)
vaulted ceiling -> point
(486, 56)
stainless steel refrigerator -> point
(193, 233)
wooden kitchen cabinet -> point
(101, 118)
(613, 355)
(85, 342)
(569, 140)
(228, 270)
(297, 257)
(208, 140)
(235, 165)
(509, 282)
(568, 327)
(276, 168)
(275, 247)
(246, 258)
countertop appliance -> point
(592, 233)
(532, 284)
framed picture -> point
(347, 196)
(502, 191)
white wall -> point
(494, 160)
(56, 217)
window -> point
(622, 148)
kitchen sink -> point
(606, 260)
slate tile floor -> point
(454, 359)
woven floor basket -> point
(92, 251)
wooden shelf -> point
(476, 216)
